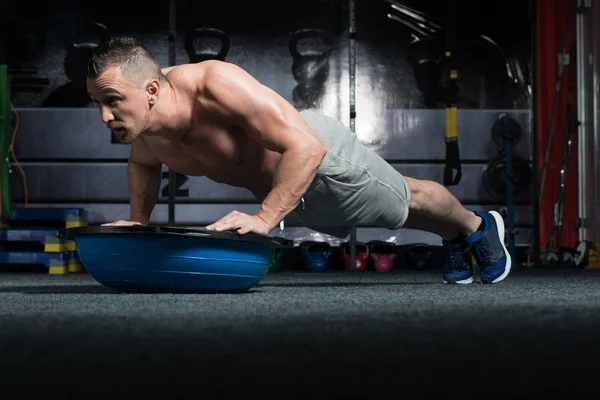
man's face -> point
(123, 105)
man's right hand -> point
(122, 223)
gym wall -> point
(70, 158)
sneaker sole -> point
(500, 225)
(463, 282)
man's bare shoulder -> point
(220, 72)
(207, 79)
(228, 80)
(189, 78)
(178, 69)
(197, 72)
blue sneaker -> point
(488, 249)
(458, 266)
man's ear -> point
(153, 89)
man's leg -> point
(431, 206)
(434, 209)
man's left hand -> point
(241, 223)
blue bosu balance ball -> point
(143, 258)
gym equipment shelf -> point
(71, 217)
(30, 237)
(57, 263)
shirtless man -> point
(213, 119)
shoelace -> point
(457, 259)
(483, 252)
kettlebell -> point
(382, 255)
(425, 57)
(418, 256)
(310, 68)
(316, 256)
(277, 261)
(197, 55)
(80, 46)
(362, 253)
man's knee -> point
(421, 193)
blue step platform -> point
(28, 237)
(46, 237)
(70, 217)
(57, 263)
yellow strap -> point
(451, 123)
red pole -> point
(551, 22)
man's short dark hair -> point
(127, 53)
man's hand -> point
(241, 223)
(122, 223)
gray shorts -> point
(354, 186)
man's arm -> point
(144, 172)
(277, 126)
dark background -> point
(39, 34)
(71, 160)
(298, 336)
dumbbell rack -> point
(28, 237)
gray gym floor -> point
(303, 335)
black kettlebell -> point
(418, 256)
(425, 58)
(80, 46)
(310, 68)
(197, 55)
